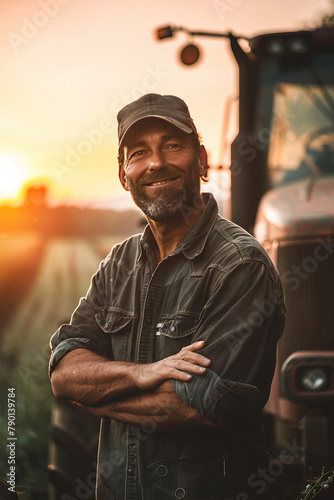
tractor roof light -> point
(298, 46)
(276, 47)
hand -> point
(151, 375)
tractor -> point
(282, 191)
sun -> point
(14, 172)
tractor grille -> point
(307, 272)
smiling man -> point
(174, 344)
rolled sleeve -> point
(63, 348)
(214, 398)
(241, 325)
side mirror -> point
(190, 54)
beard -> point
(167, 202)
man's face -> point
(161, 169)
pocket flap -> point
(113, 321)
(179, 326)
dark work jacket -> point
(220, 286)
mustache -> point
(158, 176)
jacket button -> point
(180, 493)
(161, 471)
(172, 328)
(130, 471)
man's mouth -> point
(161, 182)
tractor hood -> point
(301, 208)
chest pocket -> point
(174, 333)
(119, 326)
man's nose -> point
(156, 160)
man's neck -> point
(170, 233)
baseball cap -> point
(170, 108)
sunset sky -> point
(68, 66)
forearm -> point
(91, 380)
(86, 378)
(158, 409)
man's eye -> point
(137, 154)
(174, 146)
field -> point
(41, 281)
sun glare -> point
(13, 174)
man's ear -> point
(122, 177)
(203, 157)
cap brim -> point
(174, 122)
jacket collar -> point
(194, 241)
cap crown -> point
(166, 107)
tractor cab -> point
(286, 115)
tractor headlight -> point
(308, 377)
(313, 379)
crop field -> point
(41, 281)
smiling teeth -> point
(157, 183)
(161, 182)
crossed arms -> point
(129, 392)
(240, 328)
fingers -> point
(187, 366)
(180, 366)
(193, 358)
(180, 374)
(187, 360)
(187, 354)
(195, 346)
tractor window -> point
(302, 133)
